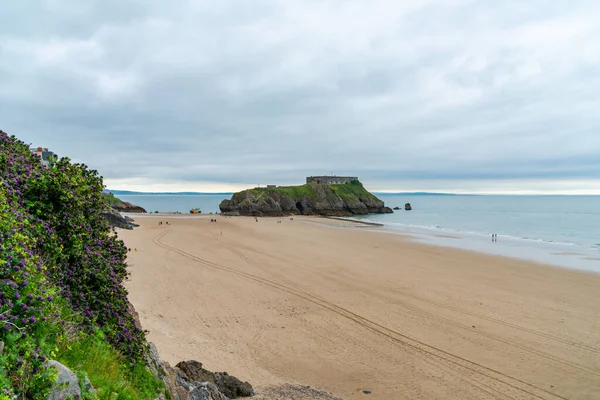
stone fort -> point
(331, 180)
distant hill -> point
(129, 192)
(419, 194)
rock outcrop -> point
(230, 386)
(190, 381)
(127, 207)
(311, 199)
(66, 385)
(114, 209)
(115, 219)
(407, 207)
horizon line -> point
(382, 192)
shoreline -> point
(541, 252)
(344, 311)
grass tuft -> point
(108, 372)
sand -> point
(311, 302)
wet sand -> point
(348, 310)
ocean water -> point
(207, 203)
(559, 230)
(565, 220)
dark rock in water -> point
(230, 386)
(407, 207)
(396, 208)
(341, 200)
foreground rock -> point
(190, 381)
(67, 383)
(230, 386)
(341, 200)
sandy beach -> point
(345, 308)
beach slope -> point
(324, 303)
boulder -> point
(206, 391)
(190, 381)
(230, 386)
(407, 207)
(66, 385)
(396, 208)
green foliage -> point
(352, 192)
(30, 316)
(349, 192)
(110, 199)
(107, 370)
(61, 276)
(306, 191)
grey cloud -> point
(394, 91)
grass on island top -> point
(347, 191)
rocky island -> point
(325, 195)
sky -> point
(460, 96)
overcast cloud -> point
(453, 95)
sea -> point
(557, 230)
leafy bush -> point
(61, 267)
(30, 318)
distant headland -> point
(321, 195)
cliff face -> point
(114, 209)
(310, 199)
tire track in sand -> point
(502, 384)
(545, 335)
